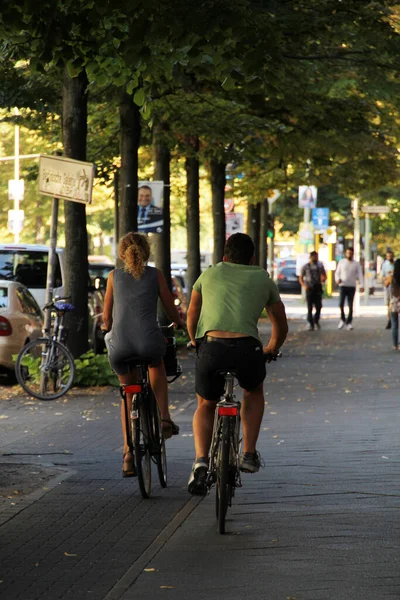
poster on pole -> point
(307, 196)
(234, 223)
(150, 206)
(320, 219)
(62, 177)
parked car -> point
(27, 264)
(21, 321)
(179, 294)
(287, 280)
(98, 274)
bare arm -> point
(323, 274)
(194, 314)
(108, 303)
(338, 274)
(277, 316)
(168, 300)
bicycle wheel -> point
(159, 450)
(45, 369)
(223, 487)
(141, 440)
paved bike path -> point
(321, 521)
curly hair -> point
(134, 250)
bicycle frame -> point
(141, 387)
(229, 408)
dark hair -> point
(396, 272)
(314, 253)
(239, 249)
(144, 187)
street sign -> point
(330, 236)
(375, 210)
(229, 205)
(15, 221)
(320, 219)
(273, 197)
(15, 189)
(307, 196)
(61, 177)
(234, 223)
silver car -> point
(21, 321)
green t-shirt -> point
(233, 297)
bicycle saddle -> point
(64, 306)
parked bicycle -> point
(45, 367)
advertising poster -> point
(150, 206)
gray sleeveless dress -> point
(135, 331)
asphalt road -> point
(319, 522)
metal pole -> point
(16, 184)
(357, 249)
(51, 265)
(272, 240)
(366, 258)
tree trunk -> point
(218, 182)
(253, 227)
(264, 209)
(162, 241)
(192, 215)
(74, 125)
(130, 140)
(116, 212)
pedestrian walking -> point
(386, 273)
(348, 272)
(394, 304)
(312, 277)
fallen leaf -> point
(36, 564)
(68, 554)
(3, 416)
(151, 570)
(166, 587)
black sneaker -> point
(197, 480)
(317, 325)
(389, 325)
(250, 462)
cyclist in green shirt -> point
(226, 303)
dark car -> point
(98, 273)
(287, 280)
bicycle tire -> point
(223, 483)
(52, 369)
(159, 452)
(140, 434)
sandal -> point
(128, 465)
(170, 430)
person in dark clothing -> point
(312, 277)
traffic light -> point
(270, 226)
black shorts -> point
(244, 356)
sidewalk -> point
(318, 523)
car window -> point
(3, 297)
(28, 267)
(288, 271)
(27, 302)
(99, 271)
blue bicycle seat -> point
(64, 306)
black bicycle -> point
(45, 367)
(144, 432)
(225, 449)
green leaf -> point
(139, 97)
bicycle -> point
(45, 367)
(143, 429)
(225, 449)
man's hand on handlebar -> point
(271, 353)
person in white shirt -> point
(386, 273)
(348, 272)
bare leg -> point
(128, 379)
(203, 422)
(159, 385)
(251, 414)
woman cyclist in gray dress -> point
(130, 319)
